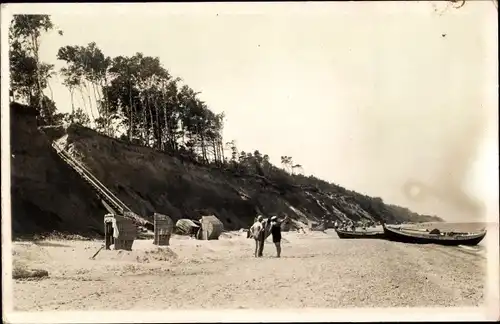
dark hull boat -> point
(359, 235)
(415, 237)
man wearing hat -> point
(276, 233)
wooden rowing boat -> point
(359, 234)
(441, 238)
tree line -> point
(133, 98)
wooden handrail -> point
(87, 175)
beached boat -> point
(432, 237)
(359, 234)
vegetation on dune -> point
(137, 100)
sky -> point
(368, 95)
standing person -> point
(276, 233)
(256, 227)
(263, 235)
(258, 232)
(254, 232)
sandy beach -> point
(316, 270)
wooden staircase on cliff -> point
(112, 203)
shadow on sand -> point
(50, 244)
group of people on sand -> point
(260, 231)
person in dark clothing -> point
(276, 233)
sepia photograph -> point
(250, 161)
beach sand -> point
(316, 270)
